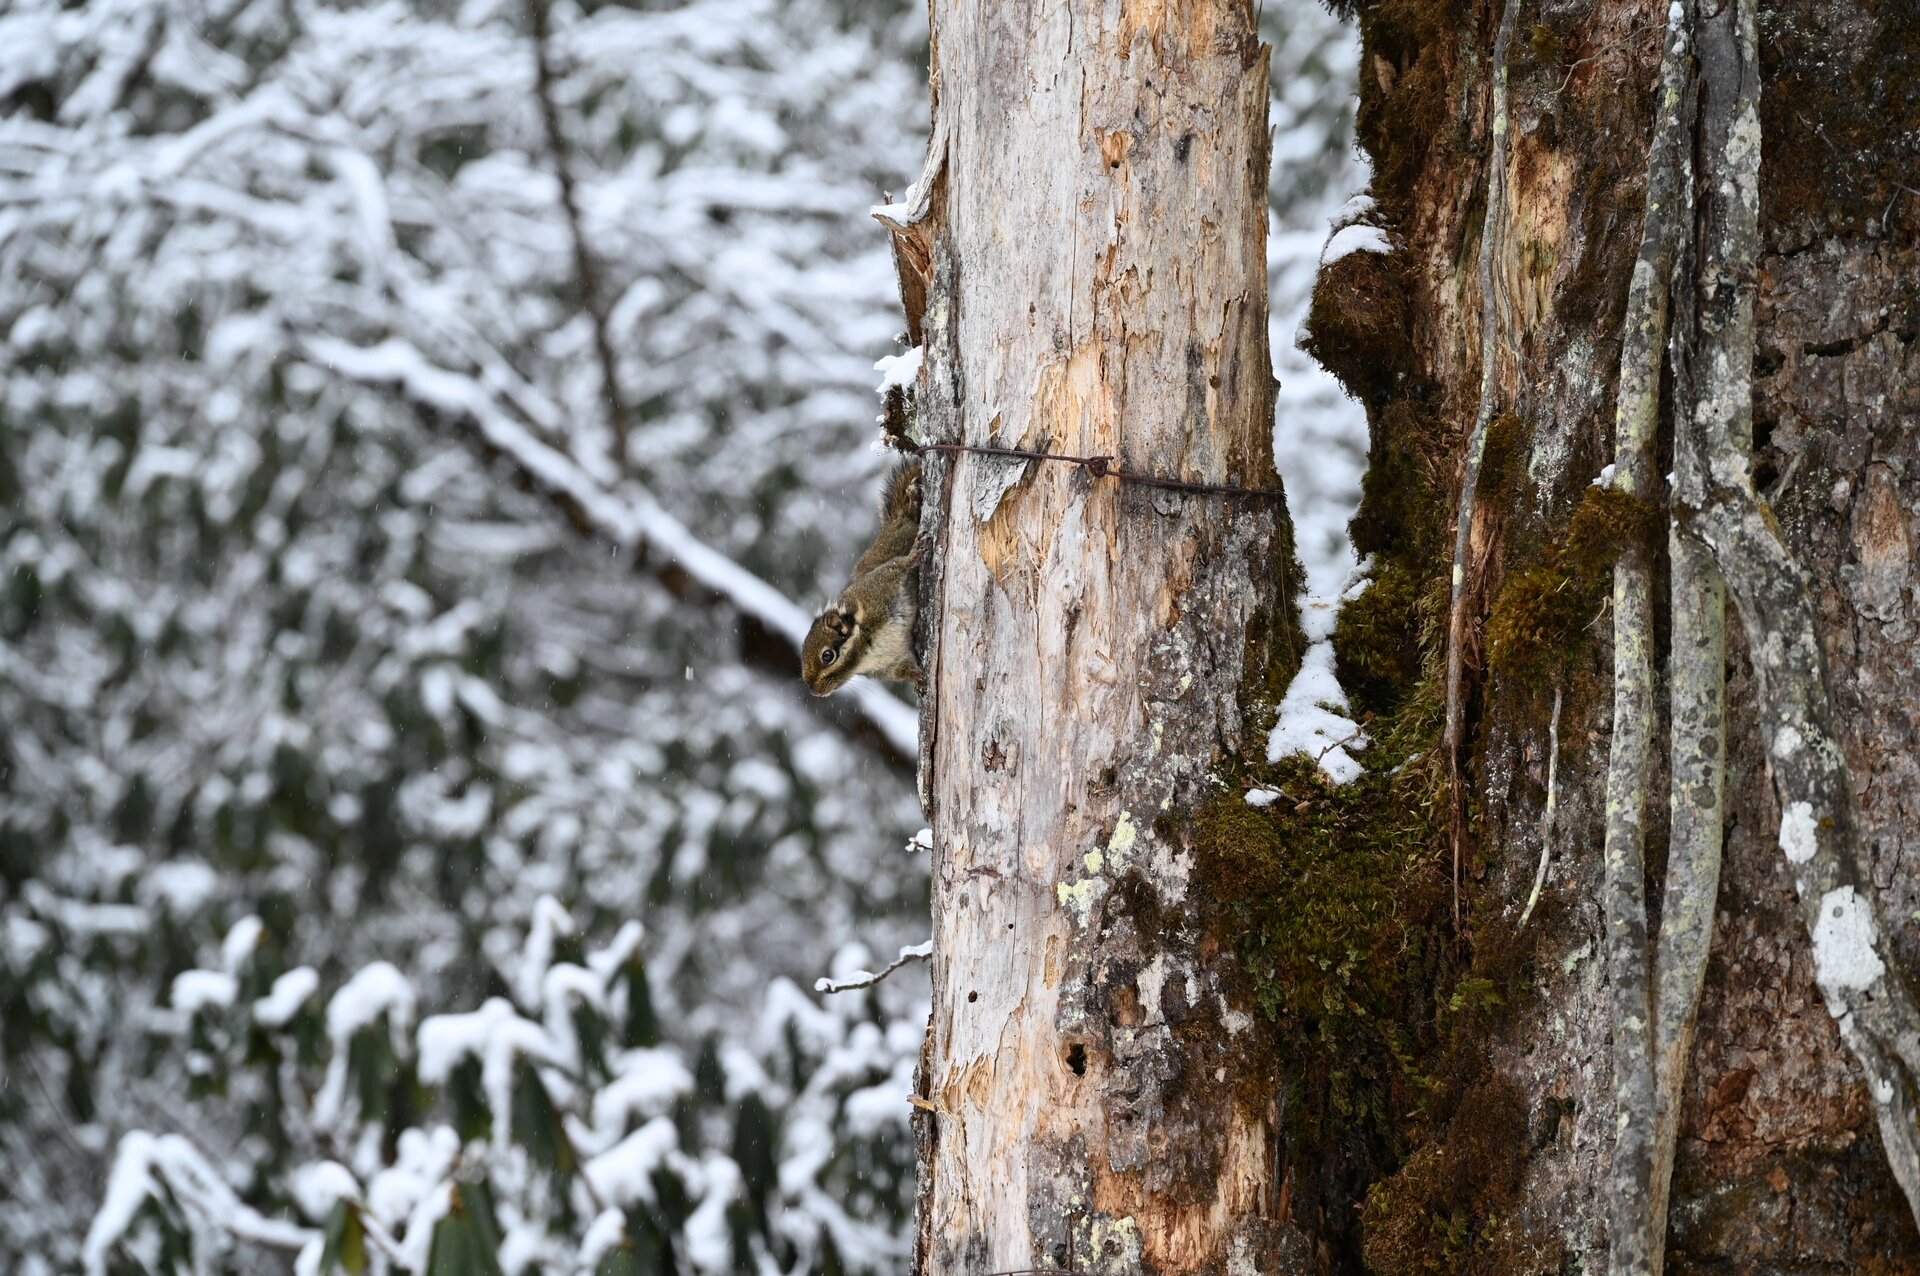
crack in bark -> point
(1492, 223)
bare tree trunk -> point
(1084, 261)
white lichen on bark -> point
(1630, 1203)
(1832, 873)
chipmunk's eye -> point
(828, 656)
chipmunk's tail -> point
(901, 496)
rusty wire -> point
(1102, 467)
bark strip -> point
(1819, 816)
(1492, 226)
(1696, 712)
(1630, 1212)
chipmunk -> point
(869, 628)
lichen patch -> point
(1799, 832)
(1844, 956)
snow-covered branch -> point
(629, 518)
(868, 978)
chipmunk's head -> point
(829, 656)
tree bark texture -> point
(1632, 1191)
(1780, 1166)
(1084, 262)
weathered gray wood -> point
(1634, 1244)
(1091, 259)
(1696, 757)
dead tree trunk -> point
(1084, 263)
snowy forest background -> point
(406, 863)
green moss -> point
(1402, 503)
(1544, 612)
(1377, 647)
(1358, 326)
(1546, 44)
(1404, 1149)
(1400, 124)
(1446, 1212)
(1606, 521)
(1500, 465)
(1388, 635)
(1334, 904)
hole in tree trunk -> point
(1077, 1059)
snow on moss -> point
(1349, 240)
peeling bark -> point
(1492, 229)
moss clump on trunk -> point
(1410, 48)
(1335, 901)
(1544, 613)
(1358, 324)
(1376, 645)
(1448, 1211)
(1334, 904)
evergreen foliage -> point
(337, 771)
